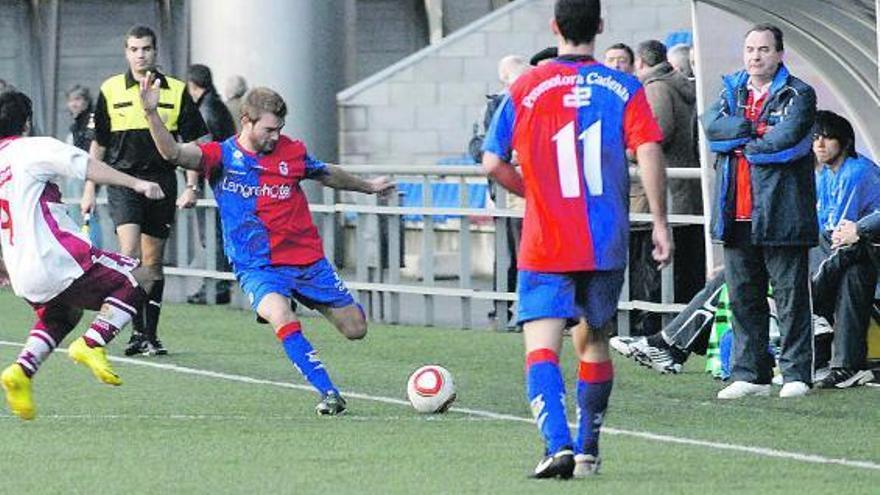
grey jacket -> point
(672, 97)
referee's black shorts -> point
(154, 216)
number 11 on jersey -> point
(567, 159)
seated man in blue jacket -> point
(848, 189)
(765, 212)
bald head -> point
(510, 68)
(235, 87)
(679, 56)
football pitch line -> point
(760, 451)
(238, 417)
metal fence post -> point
(210, 252)
(396, 241)
(361, 263)
(328, 226)
(427, 254)
(502, 259)
(464, 248)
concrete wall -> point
(422, 109)
(386, 32)
(15, 68)
(296, 47)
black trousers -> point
(514, 234)
(644, 282)
(748, 269)
(220, 260)
(689, 331)
(843, 293)
(644, 278)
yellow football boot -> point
(95, 358)
(18, 392)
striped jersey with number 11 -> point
(570, 122)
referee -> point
(122, 139)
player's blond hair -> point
(262, 100)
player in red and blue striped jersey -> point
(268, 234)
(569, 123)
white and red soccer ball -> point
(431, 389)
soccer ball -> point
(430, 389)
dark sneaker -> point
(558, 465)
(198, 298)
(331, 405)
(201, 297)
(654, 357)
(156, 348)
(843, 378)
(137, 345)
(223, 297)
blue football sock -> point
(304, 357)
(595, 381)
(546, 392)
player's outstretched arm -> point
(653, 173)
(101, 173)
(188, 155)
(337, 178)
(87, 202)
(503, 172)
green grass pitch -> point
(164, 431)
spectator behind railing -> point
(679, 57)
(235, 88)
(673, 100)
(82, 131)
(221, 125)
(509, 69)
(621, 57)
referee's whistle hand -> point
(150, 190)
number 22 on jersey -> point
(567, 159)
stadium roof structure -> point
(837, 37)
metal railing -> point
(378, 280)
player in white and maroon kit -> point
(50, 264)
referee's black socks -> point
(152, 308)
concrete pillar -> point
(296, 47)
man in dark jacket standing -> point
(200, 85)
(765, 212)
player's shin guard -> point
(304, 357)
(594, 385)
(37, 348)
(153, 308)
(114, 315)
(546, 392)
